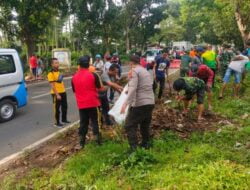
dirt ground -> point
(53, 153)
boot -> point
(82, 141)
(98, 139)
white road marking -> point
(46, 94)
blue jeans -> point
(229, 73)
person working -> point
(161, 70)
(192, 86)
(58, 93)
(98, 64)
(108, 79)
(141, 102)
(204, 73)
(85, 85)
(209, 58)
(185, 63)
(236, 68)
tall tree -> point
(140, 17)
(33, 17)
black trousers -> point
(60, 106)
(139, 117)
(161, 81)
(105, 107)
(92, 114)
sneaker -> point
(66, 122)
(58, 125)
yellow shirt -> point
(54, 76)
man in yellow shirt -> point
(58, 93)
(209, 58)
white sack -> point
(116, 109)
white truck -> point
(151, 54)
(182, 46)
(13, 91)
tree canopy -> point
(108, 25)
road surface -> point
(35, 121)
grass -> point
(218, 160)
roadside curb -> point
(5, 161)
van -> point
(13, 90)
(151, 54)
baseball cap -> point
(98, 56)
(200, 49)
(84, 59)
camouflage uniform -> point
(225, 58)
(194, 86)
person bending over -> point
(191, 86)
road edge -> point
(5, 161)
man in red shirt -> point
(33, 65)
(85, 85)
(206, 74)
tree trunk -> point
(127, 40)
(245, 34)
(31, 46)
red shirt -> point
(204, 73)
(33, 62)
(85, 84)
(143, 62)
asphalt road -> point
(35, 121)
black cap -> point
(194, 68)
(179, 84)
(84, 61)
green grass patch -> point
(209, 161)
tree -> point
(241, 12)
(98, 22)
(33, 17)
(140, 17)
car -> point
(151, 54)
(13, 89)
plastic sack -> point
(115, 112)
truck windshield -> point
(7, 64)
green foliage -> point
(32, 17)
(209, 161)
(210, 21)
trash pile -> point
(166, 118)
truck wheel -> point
(7, 110)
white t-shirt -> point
(99, 65)
(107, 66)
(239, 66)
